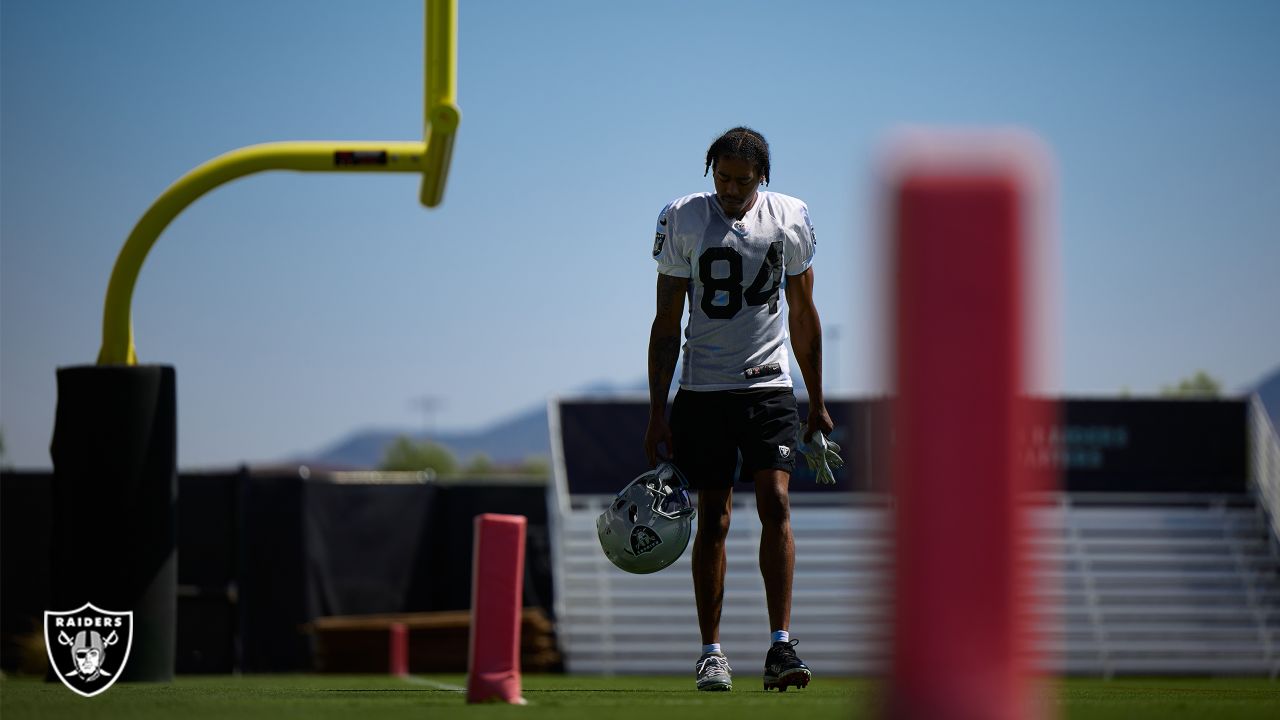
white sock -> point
(781, 636)
(712, 648)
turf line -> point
(432, 683)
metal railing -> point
(1264, 465)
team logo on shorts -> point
(784, 452)
(658, 239)
(88, 647)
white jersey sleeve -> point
(803, 243)
(672, 258)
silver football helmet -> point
(647, 526)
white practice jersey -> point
(736, 336)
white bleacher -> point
(1161, 586)
(1139, 586)
(613, 622)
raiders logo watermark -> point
(88, 647)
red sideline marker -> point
(497, 584)
(398, 650)
(964, 218)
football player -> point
(734, 253)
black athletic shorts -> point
(709, 429)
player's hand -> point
(657, 434)
(821, 455)
(819, 421)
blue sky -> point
(297, 308)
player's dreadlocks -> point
(742, 142)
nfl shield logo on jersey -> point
(88, 647)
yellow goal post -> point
(431, 157)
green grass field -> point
(326, 697)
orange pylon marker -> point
(497, 584)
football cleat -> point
(713, 672)
(782, 669)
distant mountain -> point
(508, 442)
(511, 441)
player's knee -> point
(774, 508)
(713, 526)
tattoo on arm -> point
(806, 339)
(815, 351)
(663, 353)
(664, 338)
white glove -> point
(821, 455)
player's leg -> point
(768, 437)
(706, 455)
(782, 668)
(714, 508)
(768, 454)
(777, 547)
(712, 671)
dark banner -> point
(364, 545)
(1098, 445)
(1151, 445)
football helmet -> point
(647, 525)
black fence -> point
(262, 555)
